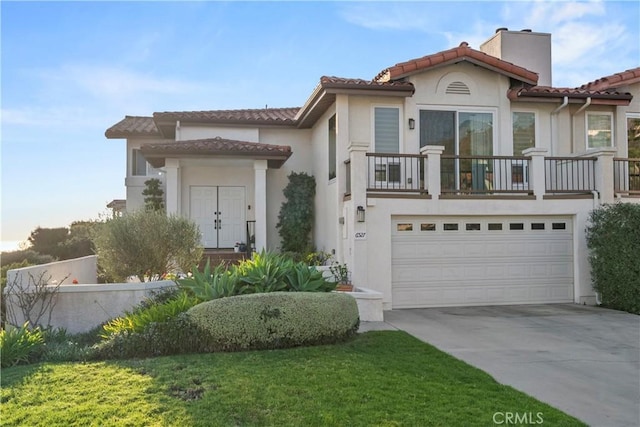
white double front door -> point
(219, 212)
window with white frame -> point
(599, 130)
(387, 129)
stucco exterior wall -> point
(301, 160)
(326, 202)
(189, 131)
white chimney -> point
(524, 48)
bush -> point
(147, 244)
(275, 320)
(175, 336)
(138, 320)
(295, 220)
(613, 238)
(19, 345)
(59, 346)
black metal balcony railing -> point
(485, 174)
(405, 173)
(626, 176)
(396, 172)
(570, 174)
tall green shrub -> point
(153, 195)
(147, 244)
(295, 221)
(613, 238)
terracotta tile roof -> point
(604, 96)
(615, 80)
(457, 54)
(216, 147)
(132, 126)
(324, 95)
(267, 116)
(346, 83)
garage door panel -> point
(444, 268)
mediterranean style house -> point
(458, 178)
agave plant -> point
(302, 278)
(208, 285)
(266, 272)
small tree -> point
(154, 195)
(35, 299)
(49, 240)
(295, 221)
(147, 244)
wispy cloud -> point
(586, 35)
(394, 16)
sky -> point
(70, 70)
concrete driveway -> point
(583, 360)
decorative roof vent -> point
(458, 88)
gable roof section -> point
(614, 81)
(133, 126)
(455, 55)
(156, 154)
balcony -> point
(535, 175)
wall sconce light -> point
(412, 124)
(360, 214)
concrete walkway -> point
(583, 360)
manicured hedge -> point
(245, 322)
(613, 238)
(275, 320)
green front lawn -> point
(378, 379)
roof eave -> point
(596, 99)
(157, 160)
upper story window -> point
(524, 131)
(332, 147)
(599, 130)
(140, 166)
(138, 163)
(387, 129)
(465, 133)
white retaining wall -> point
(80, 308)
(83, 270)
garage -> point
(457, 261)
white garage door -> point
(451, 261)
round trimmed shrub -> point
(275, 320)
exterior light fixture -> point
(360, 214)
(412, 124)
